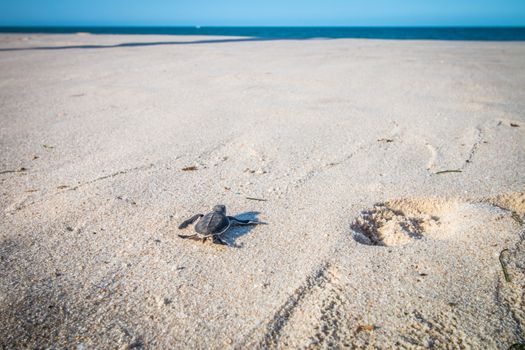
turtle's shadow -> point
(237, 231)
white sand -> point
(88, 247)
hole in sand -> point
(399, 222)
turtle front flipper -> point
(194, 237)
(190, 221)
(240, 222)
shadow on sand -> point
(238, 231)
(134, 44)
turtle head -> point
(219, 208)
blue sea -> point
(400, 33)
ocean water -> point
(400, 33)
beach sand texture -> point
(371, 243)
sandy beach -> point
(390, 173)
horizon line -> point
(258, 26)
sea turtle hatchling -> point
(214, 225)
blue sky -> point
(263, 12)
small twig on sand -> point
(365, 328)
(256, 199)
(21, 170)
(503, 266)
(448, 171)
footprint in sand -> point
(403, 221)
